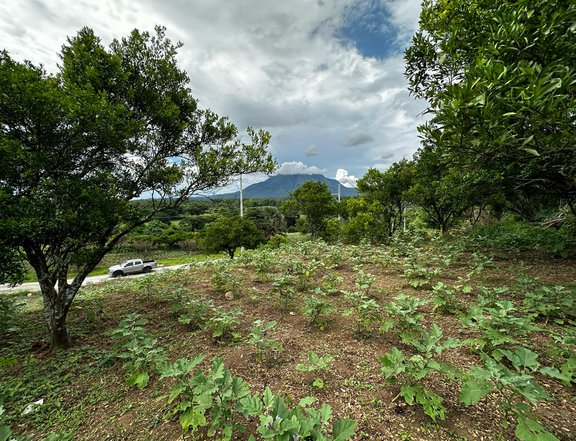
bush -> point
(512, 234)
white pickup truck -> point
(132, 266)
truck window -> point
(129, 264)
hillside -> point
(280, 186)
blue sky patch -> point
(368, 28)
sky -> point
(324, 77)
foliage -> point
(515, 388)
(404, 315)
(316, 309)
(512, 234)
(263, 345)
(410, 372)
(499, 81)
(278, 422)
(283, 287)
(314, 201)
(194, 312)
(137, 349)
(366, 310)
(77, 147)
(223, 324)
(214, 394)
(229, 233)
(316, 363)
(5, 432)
(225, 279)
(384, 194)
(217, 399)
(557, 303)
(496, 325)
(9, 307)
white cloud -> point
(344, 178)
(264, 64)
(298, 168)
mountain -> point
(280, 186)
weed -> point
(137, 349)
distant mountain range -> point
(280, 186)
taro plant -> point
(137, 349)
(316, 363)
(514, 386)
(404, 315)
(278, 422)
(409, 372)
(497, 326)
(205, 399)
(317, 309)
(223, 324)
(265, 347)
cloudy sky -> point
(325, 77)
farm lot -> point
(413, 341)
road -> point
(34, 287)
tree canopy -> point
(314, 201)
(229, 233)
(113, 124)
(500, 79)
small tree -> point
(76, 148)
(314, 201)
(385, 193)
(229, 233)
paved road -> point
(33, 286)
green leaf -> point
(192, 418)
(139, 379)
(5, 433)
(343, 429)
(408, 392)
(474, 390)
(531, 430)
(251, 406)
(531, 151)
(306, 401)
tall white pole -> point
(241, 199)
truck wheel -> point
(147, 269)
(117, 274)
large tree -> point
(500, 78)
(230, 232)
(315, 203)
(76, 147)
(385, 193)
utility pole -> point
(241, 199)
